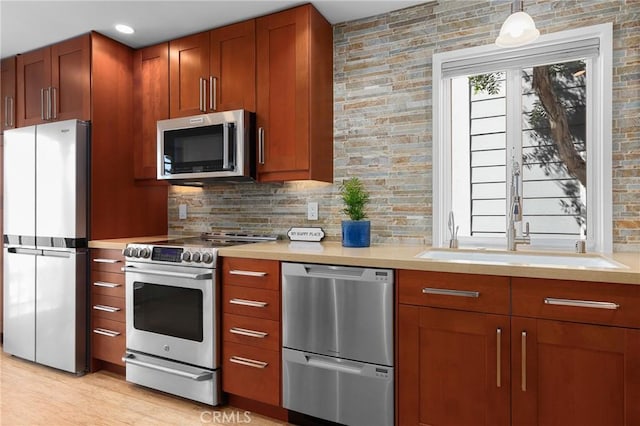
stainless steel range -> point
(172, 314)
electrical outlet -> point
(182, 211)
(312, 210)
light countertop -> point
(398, 256)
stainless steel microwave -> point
(207, 147)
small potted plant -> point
(356, 232)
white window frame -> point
(598, 135)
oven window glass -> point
(168, 310)
(196, 150)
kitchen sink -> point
(515, 258)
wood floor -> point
(32, 394)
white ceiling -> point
(26, 25)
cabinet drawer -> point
(254, 273)
(252, 302)
(596, 303)
(251, 331)
(480, 293)
(108, 260)
(108, 340)
(107, 283)
(251, 372)
(108, 307)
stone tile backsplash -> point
(382, 123)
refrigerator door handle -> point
(52, 253)
(19, 250)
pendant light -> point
(518, 29)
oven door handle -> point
(201, 276)
(131, 359)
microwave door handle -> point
(225, 146)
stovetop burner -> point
(216, 239)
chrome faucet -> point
(515, 212)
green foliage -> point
(489, 83)
(355, 198)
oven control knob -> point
(126, 252)
(207, 258)
(196, 257)
(145, 253)
(186, 256)
(133, 252)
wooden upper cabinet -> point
(574, 374)
(233, 67)
(8, 94)
(33, 78)
(213, 71)
(71, 79)
(188, 72)
(151, 98)
(295, 96)
(54, 83)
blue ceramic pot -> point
(356, 233)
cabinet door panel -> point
(283, 90)
(151, 91)
(461, 367)
(233, 65)
(188, 63)
(71, 79)
(8, 91)
(33, 75)
(574, 373)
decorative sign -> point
(306, 234)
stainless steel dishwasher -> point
(337, 338)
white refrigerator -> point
(45, 243)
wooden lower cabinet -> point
(453, 367)
(251, 344)
(574, 374)
(107, 310)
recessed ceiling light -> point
(124, 29)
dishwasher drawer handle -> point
(105, 332)
(447, 292)
(248, 362)
(247, 332)
(203, 276)
(105, 308)
(250, 303)
(106, 284)
(247, 273)
(98, 260)
(581, 303)
(131, 359)
(335, 366)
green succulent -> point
(355, 198)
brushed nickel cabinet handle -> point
(581, 303)
(247, 273)
(99, 260)
(49, 115)
(200, 102)
(106, 284)
(42, 102)
(261, 145)
(6, 112)
(248, 362)
(498, 357)
(54, 102)
(250, 303)
(248, 333)
(12, 114)
(447, 292)
(213, 93)
(105, 332)
(523, 375)
(105, 308)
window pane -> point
(554, 148)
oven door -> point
(170, 312)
